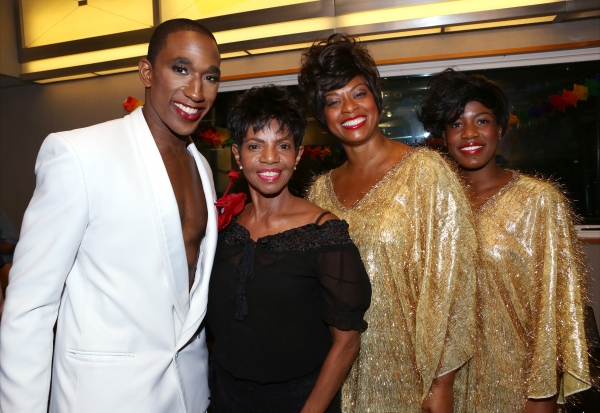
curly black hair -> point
(259, 106)
(448, 94)
(158, 41)
(329, 65)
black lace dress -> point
(270, 306)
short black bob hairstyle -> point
(450, 91)
(330, 65)
(258, 107)
(158, 41)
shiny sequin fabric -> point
(530, 323)
(418, 245)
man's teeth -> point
(471, 148)
(187, 109)
(269, 174)
(354, 122)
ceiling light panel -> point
(54, 21)
(280, 48)
(62, 79)
(81, 59)
(202, 9)
(273, 30)
(395, 35)
(504, 23)
(445, 8)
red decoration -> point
(570, 97)
(215, 139)
(558, 102)
(132, 104)
(230, 205)
(317, 151)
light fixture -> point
(296, 46)
(434, 10)
(395, 35)
(276, 29)
(502, 23)
(202, 9)
(233, 54)
(64, 78)
(81, 59)
(115, 71)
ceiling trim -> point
(458, 19)
(116, 64)
(215, 24)
(442, 57)
(434, 66)
(76, 70)
(297, 12)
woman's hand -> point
(441, 396)
(335, 368)
(541, 405)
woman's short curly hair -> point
(330, 65)
(259, 106)
(448, 94)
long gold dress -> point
(531, 332)
(415, 237)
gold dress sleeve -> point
(417, 241)
(531, 336)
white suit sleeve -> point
(52, 230)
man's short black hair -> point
(450, 91)
(158, 41)
(258, 107)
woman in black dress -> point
(288, 289)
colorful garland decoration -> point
(212, 137)
(315, 152)
(591, 87)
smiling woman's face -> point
(473, 138)
(267, 158)
(351, 113)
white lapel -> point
(199, 291)
(165, 213)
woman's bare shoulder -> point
(311, 213)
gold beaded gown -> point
(416, 239)
(531, 339)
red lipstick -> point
(269, 175)
(188, 112)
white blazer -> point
(102, 249)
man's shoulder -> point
(100, 129)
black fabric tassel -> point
(245, 273)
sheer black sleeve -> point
(345, 285)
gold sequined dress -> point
(418, 245)
(531, 332)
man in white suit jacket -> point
(117, 246)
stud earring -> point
(241, 167)
(294, 168)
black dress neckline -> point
(308, 236)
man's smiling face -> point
(182, 84)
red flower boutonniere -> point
(132, 104)
(230, 205)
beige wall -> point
(9, 64)
(29, 113)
